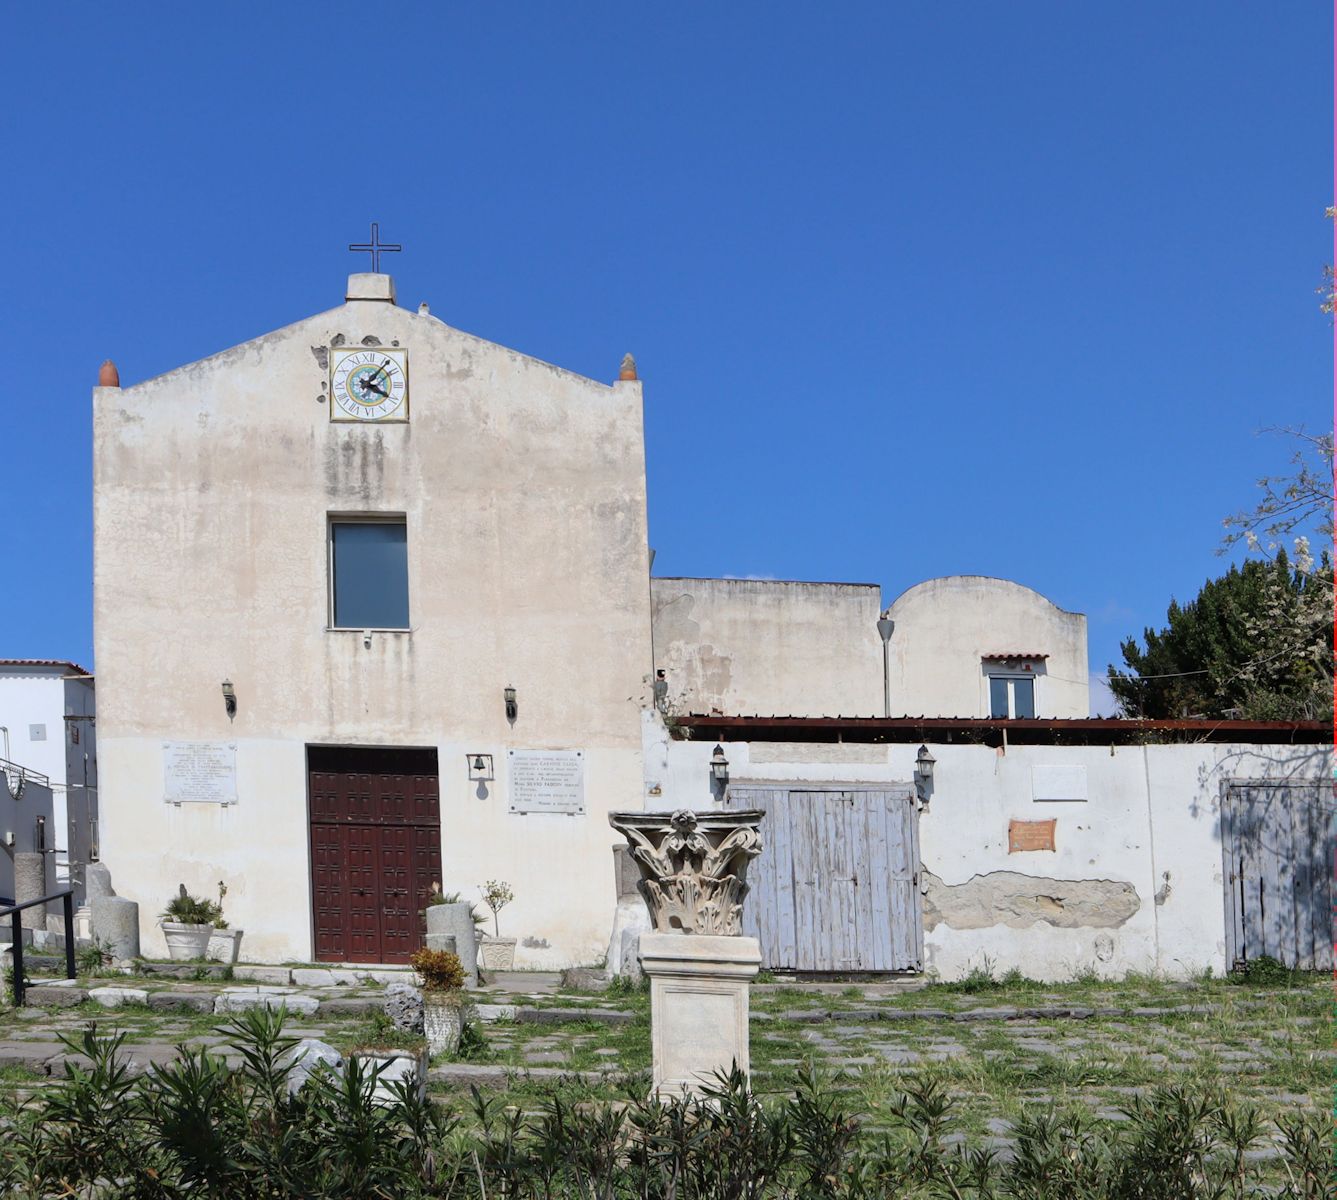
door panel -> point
(836, 886)
(375, 850)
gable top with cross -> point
(372, 285)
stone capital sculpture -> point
(693, 866)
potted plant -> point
(442, 978)
(188, 924)
(497, 953)
(224, 942)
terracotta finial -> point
(628, 367)
(108, 375)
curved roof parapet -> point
(983, 583)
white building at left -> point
(47, 729)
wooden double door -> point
(836, 886)
(375, 818)
(1279, 842)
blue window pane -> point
(371, 575)
(997, 697)
(1023, 697)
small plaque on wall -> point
(1030, 835)
(200, 772)
(546, 781)
(1058, 783)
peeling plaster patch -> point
(338, 340)
(533, 943)
(371, 340)
(322, 357)
(1018, 901)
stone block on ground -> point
(47, 995)
(309, 1056)
(182, 1001)
(276, 975)
(114, 997)
(403, 1005)
(585, 979)
(345, 1006)
(312, 977)
(232, 1000)
(115, 922)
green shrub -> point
(195, 1128)
(1266, 971)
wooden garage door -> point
(1279, 841)
(836, 886)
(375, 850)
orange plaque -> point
(1030, 835)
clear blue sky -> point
(915, 289)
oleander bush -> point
(197, 1129)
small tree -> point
(497, 895)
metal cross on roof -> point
(375, 248)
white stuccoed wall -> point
(524, 491)
(945, 626)
(769, 646)
(1151, 810)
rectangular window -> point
(369, 574)
(1011, 696)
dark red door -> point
(375, 850)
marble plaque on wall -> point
(199, 772)
(546, 781)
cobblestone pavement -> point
(998, 1050)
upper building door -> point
(375, 850)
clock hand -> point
(377, 390)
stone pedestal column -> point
(693, 879)
(698, 1006)
(29, 883)
(455, 922)
(116, 926)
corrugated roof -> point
(73, 667)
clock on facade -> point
(369, 384)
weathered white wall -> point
(1151, 820)
(40, 694)
(523, 488)
(945, 626)
(769, 646)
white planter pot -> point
(442, 1023)
(497, 953)
(225, 945)
(396, 1065)
(186, 942)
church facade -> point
(373, 615)
(355, 638)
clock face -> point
(369, 384)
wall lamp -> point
(512, 709)
(719, 766)
(924, 763)
(230, 699)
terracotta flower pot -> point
(186, 942)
